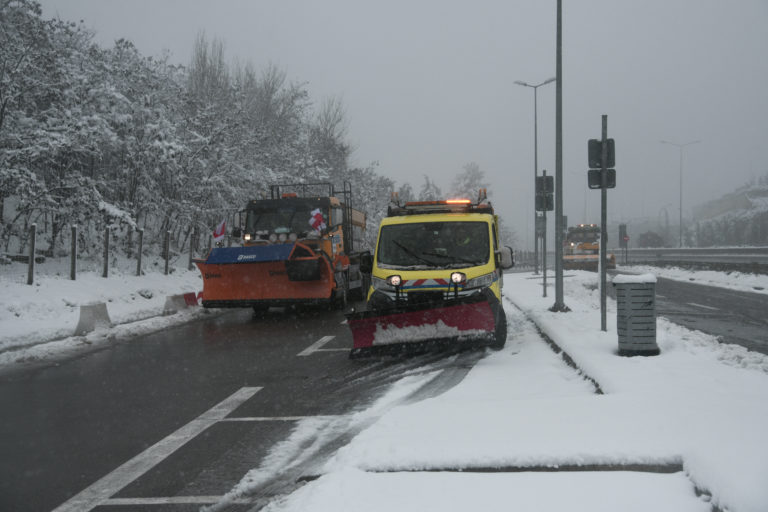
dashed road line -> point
(109, 485)
(316, 346)
(278, 418)
(703, 306)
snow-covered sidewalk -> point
(698, 411)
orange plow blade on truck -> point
(399, 328)
(265, 275)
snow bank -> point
(50, 308)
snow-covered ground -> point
(38, 321)
(698, 409)
(699, 406)
(755, 283)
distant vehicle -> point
(297, 248)
(436, 277)
(581, 248)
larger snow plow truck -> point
(581, 249)
(296, 248)
(436, 277)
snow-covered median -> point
(698, 406)
(48, 310)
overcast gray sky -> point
(429, 85)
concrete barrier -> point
(91, 317)
(175, 303)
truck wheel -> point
(500, 333)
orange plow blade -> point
(264, 276)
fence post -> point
(31, 268)
(141, 249)
(167, 249)
(105, 273)
(192, 246)
(73, 254)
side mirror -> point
(366, 262)
(507, 257)
(237, 232)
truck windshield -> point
(434, 244)
(590, 235)
(281, 220)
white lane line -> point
(345, 321)
(174, 500)
(703, 306)
(277, 418)
(107, 486)
(315, 346)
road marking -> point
(101, 490)
(332, 350)
(703, 306)
(278, 418)
(345, 321)
(316, 346)
(174, 500)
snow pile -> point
(387, 335)
(50, 308)
(754, 283)
(523, 407)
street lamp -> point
(535, 163)
(680, 147)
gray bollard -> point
(636, 314)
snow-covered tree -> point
(430, 191)
(468, 181)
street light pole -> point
(535, 163)
(680, 147)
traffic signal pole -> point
(603, 221)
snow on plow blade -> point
(456, 320)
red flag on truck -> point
(316, 221)
(218, 233)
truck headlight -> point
(458, 277)
(247, 237)
(483, 281)
(394, 280)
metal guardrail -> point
(745, 259)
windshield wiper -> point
(454, 257)
(414, 254)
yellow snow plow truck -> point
(436, 277)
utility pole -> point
(680, 147)
(559, 301)
(535, 163)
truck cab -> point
(433, 255)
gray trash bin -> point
(636, 314)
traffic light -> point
(545, 187)
(595, 151)
(623, 236)
(545, 203)
(594, 181)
